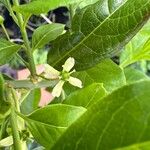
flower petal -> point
(75, 82)
(50, 72)
(58, 89)
(68, 64)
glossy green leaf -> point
(118, 120)
(99, 31)
(47, 124)
(86, 96)
(46, 33)
(106, 72)
(38, 7)
(30, 103)
(138, 48)
(134, 75)
(7, 50)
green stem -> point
(29, 53)
(26, 42)
(15, 132)
(5, 31)
(14, 121)
(17, 122)
(11, 12)
(72, 12)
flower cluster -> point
(63, 76)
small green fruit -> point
(1, 19)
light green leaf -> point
(30, 103)
(27, 84)
(118, 120)
(106, 72)
(86, 96)
(99, 31)
(134, 75)
(38, 7)
(6, 142)
(7, 50)
(84, 3)
(46, 33)
(47, 124)
(138, 48)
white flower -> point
(63, 76)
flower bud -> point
(1, 19)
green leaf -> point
(106, 72)
(38, 7)
(134, 75)
(5, 3)
(46, 33)
(6, 142)
(4, 106)
(118, 120)
(138, 48)
(7, 50)
(139, 146)
(86, 96)
(27, 84)
(87, 2)
(99, 31)
(30, 103)
(47, 124)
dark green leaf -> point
(7, 50)
(99, 31)
(47, 124)
(118, 120)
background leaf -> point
(31, 102)
(138, 48)
(5, 3)
(7, 50)
(134, 75)
(98, 31)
